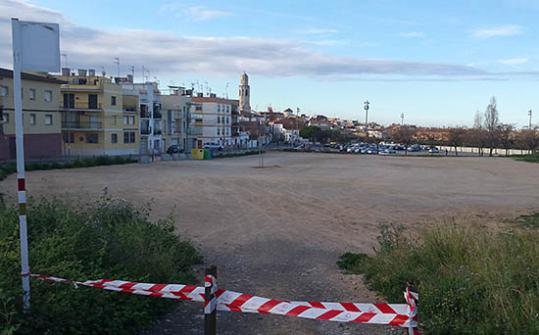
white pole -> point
(19, 138)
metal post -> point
(21, 182)
(210, 301)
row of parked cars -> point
(387, 149)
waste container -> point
(197, 154)
(207, 154)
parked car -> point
(434, 150)
(174, 149)
(414, 148)
(213, 146)
(388, 151)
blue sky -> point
(436, 61)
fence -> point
(215, 299)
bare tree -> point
(506, 136)
(456, 137)
(530, 139)
(403, 135)
(491, 124)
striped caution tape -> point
(401, 315)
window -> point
(4, 117)
(126, 120)
(92, 101)
(218, 108)
(129, 137)
(218, 119)
(69, 100)
(48, 119)
(227, 120)
(47, 96)
(33, 119)
(32, 95)
(113, 100)
(4, 91)
(218, 131)
(92, 138)
(69, 138)
(113, 138)
(129, 120)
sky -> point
(438, 62)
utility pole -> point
(117, 62)
(366, 106)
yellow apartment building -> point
(41, 116)
(95, 119)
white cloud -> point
(319, 31)
(204, 13)
(498, 31)
(199, 13)
(412, 34)
(514, 61)
(168, 54)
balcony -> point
(81, 107)
(82, 125)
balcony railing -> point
(84, 107)
(82, 125)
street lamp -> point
(366, 107)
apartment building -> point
(151, 119)
(177, 117)
(41, 116)
(93, 116)
(211, 120)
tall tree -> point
(456, 138)
(491, 124)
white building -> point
(151, 123)
(176, 118)
(211, 120)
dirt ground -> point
(278, 231)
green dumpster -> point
(207, 154)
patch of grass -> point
(527, 158)
(110, 239)
(10, 168)
(470, 280)
(531, 221)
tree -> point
(505, 133)
(310, 132)
(529, 139)
(476, 137)
(491, 124)
(456, 137)
(403, 135)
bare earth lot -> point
(278, 231)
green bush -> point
(110, 239)
(470, 280)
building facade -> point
(93, 116)
(41, 116)
(151, 118)
(211, 121)
(177, 118)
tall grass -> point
(110, 239)
(471, 281)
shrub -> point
(471, 281)
(111, 239)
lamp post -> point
(366, 106)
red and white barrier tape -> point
(400, 315)
(210, 303)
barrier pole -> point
(411, 295)
(210, 301)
